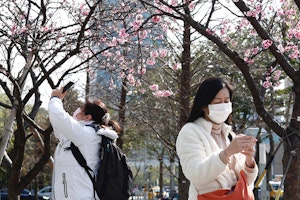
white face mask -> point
(218, 113)
(76, 113)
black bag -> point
(114, 176)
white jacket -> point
(201, 164)
(70, 180)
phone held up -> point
(68, 86)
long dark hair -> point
(206, 92)
(97, 109)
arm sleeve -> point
(251, 174)
(199, 164)
(66, 125)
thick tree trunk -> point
(291, 184)
(185, 93)
(292, 151)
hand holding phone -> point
(68, 86)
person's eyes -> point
(227, 100)
(216, 102)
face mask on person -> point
(218, 113)
(78, 110)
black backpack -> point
(114, 176)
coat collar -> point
(84, 123)
(207, 125)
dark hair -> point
(97, 109)
(206, 92)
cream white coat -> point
(70, 180)
(201, 164)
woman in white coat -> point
(70, 180)
(209, 160)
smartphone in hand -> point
(68, 86)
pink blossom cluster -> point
(176, 66)
(160, 93)
(266, 44)
(250, 53)
(210, 32)
(291, 49)
(155, 54)
(137, 22)
(255, 11)
(156, 19)
(131, 79)
(125, 65)
(273, 77)
(154, 87)
(14, 30)
(225, 26)
(123, 34)
(294, 52)
(84, 9)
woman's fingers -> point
(243, 143)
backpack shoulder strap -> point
(81, 160)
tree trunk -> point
(122, 113)
(172, 172)
(17, 93)
(161, 174)
(185, 92)
(291, 151)
(291, 184)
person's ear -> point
(88, 117)
(206, 111)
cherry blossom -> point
(143, 34)
(174, 2)
(163, 53)
(156, 19)
(209, 31)
(13, 29)
(297, 34)
(154, 54)
(150, 61)
(84, 9)
(266, 44)
(123, 34)
(277, 74)
(44, 29)
(249, 61)
(281, 48)
(154, 87)
(192, 6)
(267, 84)
(142, 91)
(131, 79)
(176, 66)
(113, 42)
(162, 93)
(22, 30)
(139, 17)
(294, 54)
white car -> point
(45, 193)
